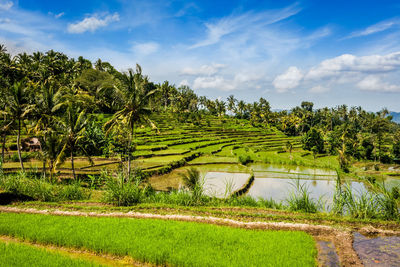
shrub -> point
(122, 192)
(245, 159)
(25, 156)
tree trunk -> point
(51, 164)
(3, 148)
(44, 168)
(72, 163)
(44, 159)
(129, 155)
(19, 145)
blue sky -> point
(328, 52)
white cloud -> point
(288, 80)
(319, 89)
(216, 82)
(209, 70)
(6, 5)
(92, 23)
(378, 27)
(184, 83)
(59, 15)
(374, 83)
(347, 63)
(231, 24)
(144, 49)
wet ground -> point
(378, 251)
(327, 254)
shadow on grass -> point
(8, 198)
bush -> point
(122, 192)
(313, 138)
(25, 156)
(245, 159)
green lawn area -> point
(20, 255)
(166, 242)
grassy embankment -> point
(166, 242)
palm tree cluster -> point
(55, 98)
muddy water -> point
(379, 251)
(327, 255)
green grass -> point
(20, 255)
(166, 242)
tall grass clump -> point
(388, 202)
(39, 189)
(194, 183)
(122, 190)
(300, 200)
(377, 203)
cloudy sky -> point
(328, 52)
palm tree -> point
(132, 90)
(289, 147)
(241, 108)
(220, 105)
(46, 122)
(18, 108)
(232, 103)
(72, 102)
(73, 124)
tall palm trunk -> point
(51, 166)
(131, 137)
(129, 155)
(44, 158)
(19, 145)
(72, 163)
(3, 147)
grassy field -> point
(166, 242)
(20, 255)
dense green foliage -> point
(166, 242)
(19, 255)
(78, 108)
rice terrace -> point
(252, 133)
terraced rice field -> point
(176, 145)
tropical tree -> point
(18, 108)
(72, 102)
(135, 109)
(232, 103)
(313, 140)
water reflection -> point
(222, 184)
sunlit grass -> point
(166, 242)
(20, 255)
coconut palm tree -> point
(18, 109)
(135, 109)
(232, 103)
(72, 102)
(73, 124)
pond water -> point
(276, 181)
